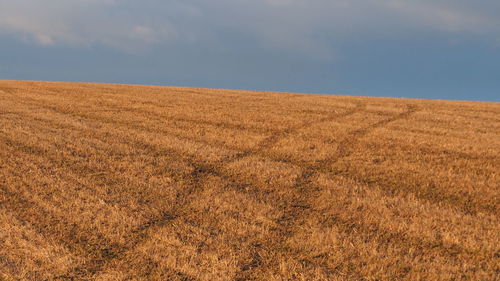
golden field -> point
(113, 182)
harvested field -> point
(112, 182)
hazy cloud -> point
(303, 26)
(454, 16)
(82, 23)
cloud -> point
(451, 16)
(81, 23)
(306, 27)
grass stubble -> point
(112, 182)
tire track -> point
(345, 151)
(430, 194)
(257, 151)
(275, 137)
(111, 251)
(99, 251)
(296, 204)
(302, 208)
(348, 143)
(109, 254)
(217, 169)
(299, 208)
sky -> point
(438, 49)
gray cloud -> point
(453, 16)
(304, 27)
(82, 23)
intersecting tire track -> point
(299, 208)
(273, 139)
(453, 200)
(429, 195)
(199, 169)
(217, 168)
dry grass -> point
(108, 182)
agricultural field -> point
(115, 182)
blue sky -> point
(442, 49)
